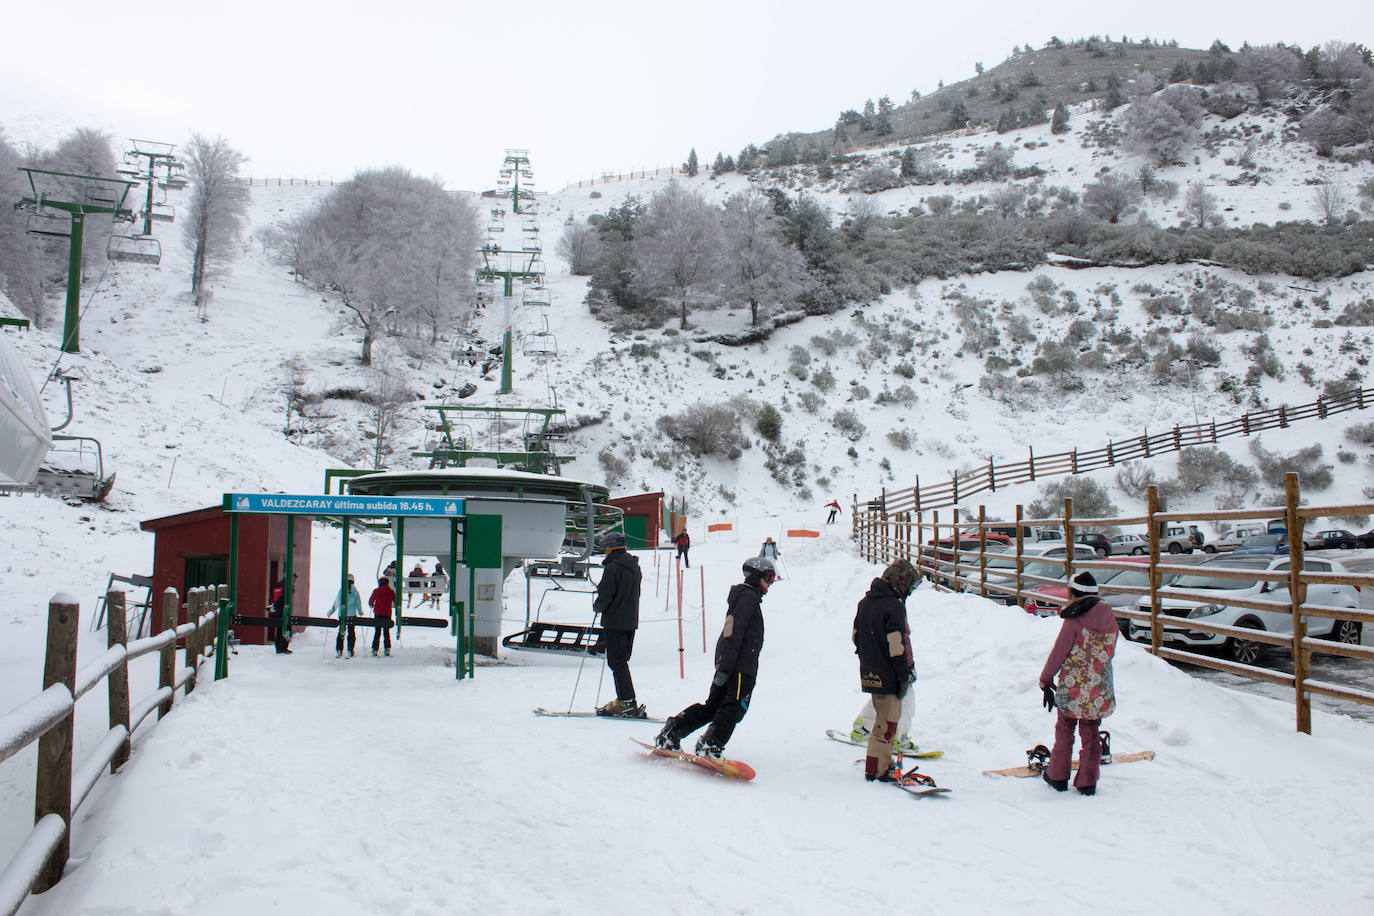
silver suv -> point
(1178, 539)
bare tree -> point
(676, 245)
(580, 246)
(1156, 130)
(86, 151)
(1111, 198)
(22, 259)
(219, 206)
(1342, 61)
(1200, 204)
(1008, 200)
(1331, 199)
(387, 395)
(757, 267)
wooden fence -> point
(944, 553)
(995, 474)
(49, 719)
(632, 175)
(286, 182)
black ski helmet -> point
(762, 567)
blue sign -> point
(366, 506)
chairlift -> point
(175, 182)
(141, 249)
(540, 343)
(160, 212)
(531, 225)
(496, 227)
(536, 295)
(52, 224)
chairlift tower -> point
(501, 259)
(159, 156)
(78, 196)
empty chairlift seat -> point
(141, 249)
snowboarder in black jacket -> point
(737, 667)
(617, 601)
(882, 640)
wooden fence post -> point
(1068, 540)
(118, 682)
(1156, 580)
(1111, 461)
(992, 475)
(983, 550)
(53, 787)
(1031, 449)
(1245, 423)
(1283, 416)
(1297, 594)
(169, 652)
(192, 639)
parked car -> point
(1232, 539)
(1276, 542)
(1097, 541)
(1001, 570)
(1029, 534)
(1044, 604)
(1129, 543)
(1332, 537)
(1220, 590)
(1178, 539)
(1366, 539)
(943, 557)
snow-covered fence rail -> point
(995, 474)
(49, 719)
(955, 554)
(632, 175)
(280, 182)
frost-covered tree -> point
(676, 246)
(757, 268)
(1269, 68)
(1331, 199)
(691, 166)
(1111, 197)
(87, 151)
(579, 246)
(22, 259)
(219, 206)
(1342, 62)
(1154, 129)
(1200, 204)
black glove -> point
(1048, 690)
(721, 677)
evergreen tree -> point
(1060, 122)
(1006, 122)
(1181, 72)
(748, 158)
(958, 116)
(691, 166)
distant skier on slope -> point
(834, 508)
(737, 667)
(1082, 661)
(882, 640)
(683, 542)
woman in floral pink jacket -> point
(1081, 661)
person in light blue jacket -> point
(354, 609)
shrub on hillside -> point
(849, 425)
(1200, 468)
(769, 423)
(1305, 462)
(705, 429)
(1090, 499)
(824, 380)
(1361, 433)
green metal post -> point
(472, 621)
(454, 610)
(222, 622)
(400, 573)
(71, 329)
(343, 584)
(148, 207)
(506, 383)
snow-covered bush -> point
(848, 423)
(705, 429)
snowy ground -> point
(310, 784)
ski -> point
(843, 738)
(1024, 772)
(731, 769)
(541, 711)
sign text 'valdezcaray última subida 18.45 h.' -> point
(325, 505)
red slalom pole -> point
(681, 648)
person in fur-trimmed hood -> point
(882, 640)
(1081, 662)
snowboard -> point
(917, 784)
(541, 711)
(843, 738)
(731, 769)
(1024, 772)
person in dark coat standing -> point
(282, 635)
(882, 640)
(1085, 694)
(737, 667)
(682, 542)
(381, 601)
(617, 601)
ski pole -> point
(583, 662)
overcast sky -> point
(322, 89)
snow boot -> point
(893, 773)
(387, 653)
(622, 709)
(1058, 785)
(666, 739)
(374, 653)
(705, 748)
(1087, 790)
(905, 746)
(1106, 738)
(338, 653)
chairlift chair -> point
(533, 246)
(50, 224)
(160, 212)
(540, 343)
(536, 295)
(141, 249)
(175, 182)
(531, 225)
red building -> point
(643, 513)
(191, 549)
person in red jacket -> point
(381, 601)
(834, 508)
(682, 542)
(1081, 661)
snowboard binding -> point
(1037, 759)
(1106, 737)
